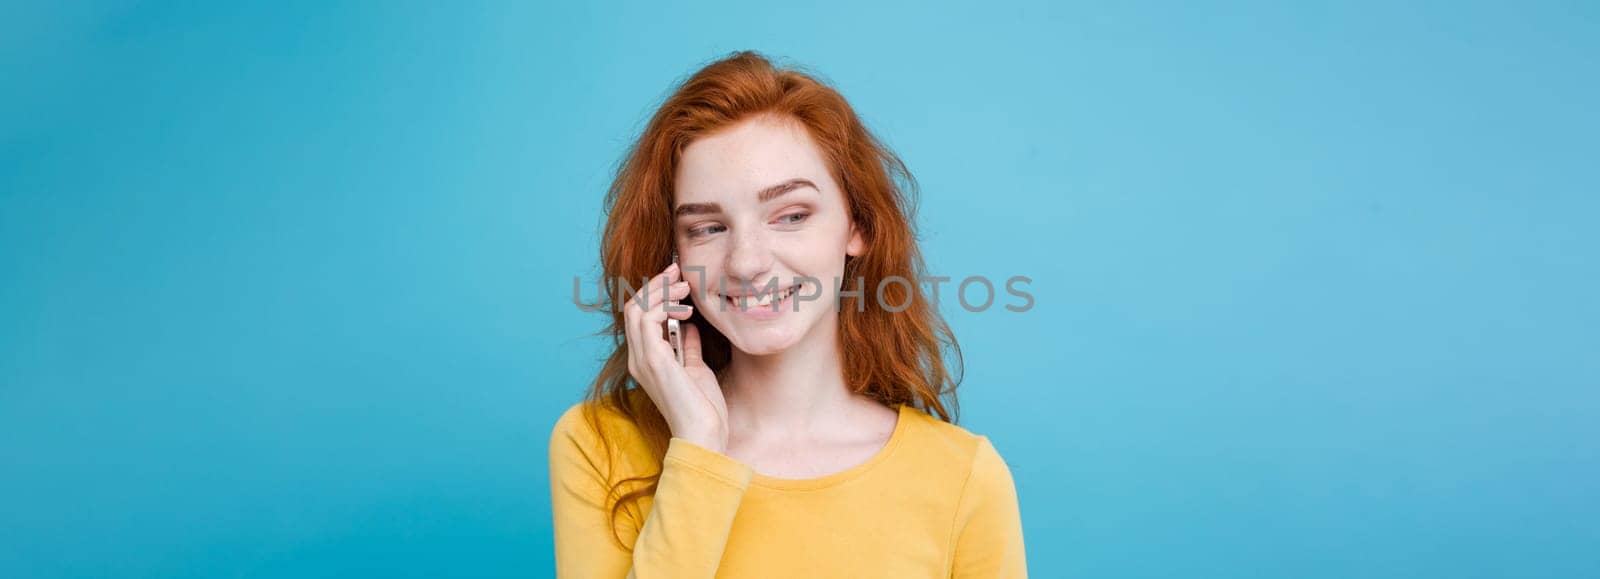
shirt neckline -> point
(901, 424)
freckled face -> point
(757, 207)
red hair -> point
(893, 357)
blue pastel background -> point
(285, 288)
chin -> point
(764, 341)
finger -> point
(630, 337)
(651, 322)
(651, 287)
(681, 312)
(658, 288)
(675, 292)
(647, 330)
(634, 329)
(691, 344)
(641, 334)
(677, 288)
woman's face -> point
(757, 208)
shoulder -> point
(949, 439)
(970, 459)
(581, 425)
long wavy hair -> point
(894, 357)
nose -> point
(750, 257)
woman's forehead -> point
(733, 165)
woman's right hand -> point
(688, 396)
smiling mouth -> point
(762, 300)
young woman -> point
(804, 434)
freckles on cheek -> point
(814, 251)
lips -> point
(762, 299)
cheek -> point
(819, 251)
(702, 278)
(699, 264)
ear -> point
(857, 245)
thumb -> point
(691, 344)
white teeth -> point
(766, 299)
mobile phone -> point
(674, 329)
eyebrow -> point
(765, 195)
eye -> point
(793, 218)
(704, 230)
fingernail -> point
(673, 267)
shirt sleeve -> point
(988, 532)
(683, 535)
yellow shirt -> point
(936, 501)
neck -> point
(796, 394)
